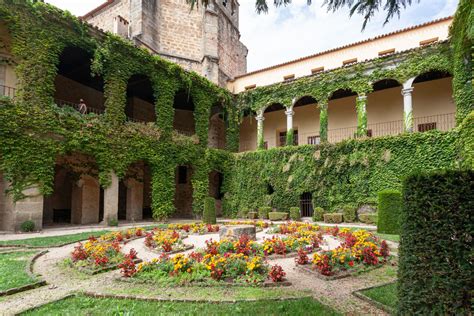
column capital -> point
(260, 117)
(289, 112)
(407, 91)
(362, 97)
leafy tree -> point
(366, 8)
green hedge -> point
(295, 213)
(263, 212)
(209, 214)
(435, 266)
(318, 214)
(389, 208)
(278, 216)
(334, 218)
(252, 215)
(368, 218)
(350, 213)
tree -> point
(366, 8)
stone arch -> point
(386, 83)
(184, 121)
(304, 100)
(342, 115)
(140, 106)
(217, 127)
(306, 120)
(74, 81)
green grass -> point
(395, 238)
(82, 305)
(13, 270)
(386, 294)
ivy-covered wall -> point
(34, 132)
(349, 172)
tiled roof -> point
(346, 46)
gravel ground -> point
(63, 281)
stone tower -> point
(205, 40)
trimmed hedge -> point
(368, 218)
(318, 214)
(334, 218)
(435, 269)
(278, 216)
(295, 213)
(252, 215)
(263, 212)
(389, 208)
(350, 213)
(209, 214)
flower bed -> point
(123, 236)
(96, 255)
(359, 250)
(195, 228)
(257, 224)
(166, 241)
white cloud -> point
(298, 30)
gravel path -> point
(62, 281)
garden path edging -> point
(360, 295)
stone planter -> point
(234, 232)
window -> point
(283, 138)
(182, 174)
(386, 52)
(265, 145)
(428, 41)
(349, 62)
(289, 77)
(306, 204)
(314, 140)
(252, 86)
(317, 70)
(426, 127)
(369, 133)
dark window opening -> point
(140, 100)
(369, 133)
(182, 174)
(184, 122)
(283, 138)
(314, 140)
(270, 189)
(306, 204)
(426, 127)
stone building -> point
(204, 40)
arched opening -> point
(8, 80)
(184, 122)
(385, 109)
(74, 82)
(140, 100)
(217, 128)
(274, 127)
(216, 180)
(76, 197)
(134, 202)
(306, 204)
(342, 115)
(248, 131)
(433, 103)
(306, 121)
(183, 197)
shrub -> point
(278, 216)
(335, 218)
(113, 222)
(318, 214)
(252, 215)
(295, 213)
(435, 274)
(209, 214)
(368, 218)
(350, 213)
(27, 226)
(390, 203)
(263, 212)
(243, 213)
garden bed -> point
(100, 269)
(340, 275)
(178, 250)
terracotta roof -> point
(94, 11)
(346, 46)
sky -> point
(299, 30)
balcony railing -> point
(76, 106)
(7, 91)
(339, 134)
(185, 133)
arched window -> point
(184, 122)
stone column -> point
(289, 127)
(361, 115)
(30, 208)
(323, 121)
(407, 109)
(260, 139)
(111, 199)
(134, 200)
(85, 201)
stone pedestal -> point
(85, 201)
(111, 200)
(234, 232)
(134, 200)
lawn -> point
(386, 295)
(395, 238)
(82, 305)
(13, 270)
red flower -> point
(276, 273)
(351, 263)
